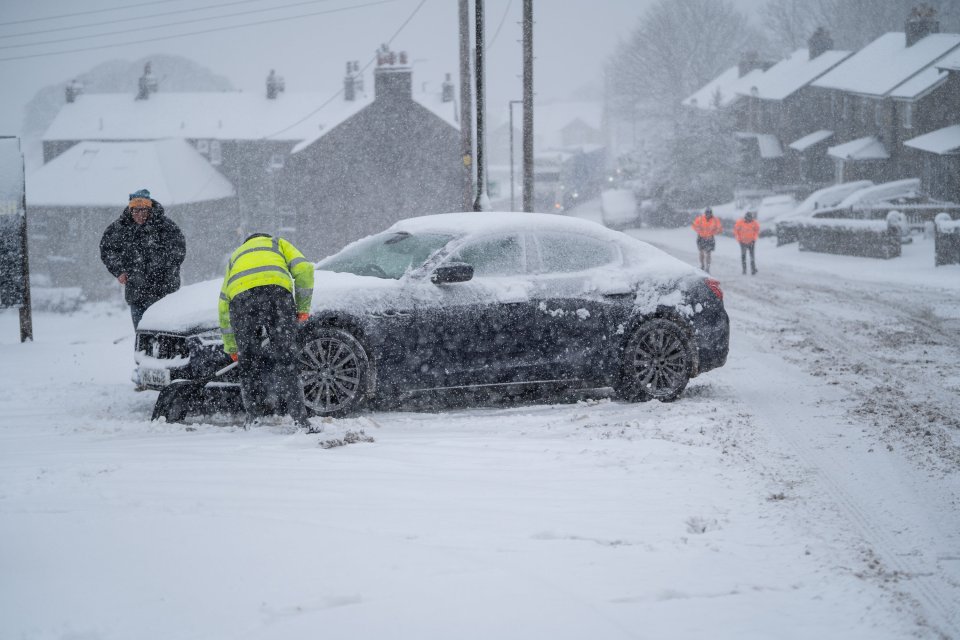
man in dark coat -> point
(143, 249)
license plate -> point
(155, 377)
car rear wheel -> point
(656, 363)
(334, 369)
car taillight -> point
(715, 287)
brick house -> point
(888, 92)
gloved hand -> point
(303, 317)
(234, 356)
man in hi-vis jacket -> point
(266, 291)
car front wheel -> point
(656, 363)
(334, 369)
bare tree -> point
(790, 22)
(677, 47)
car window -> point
(496, 256)
(565, 253)
(385, 255)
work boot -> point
(754, 272)
(250, 422)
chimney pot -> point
(147, 84)
(921, 23)
(820, 42)
(73, 89)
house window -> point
(907, 115)
(216, 154)
(203, 146)
(276, 162)
(878, 114)
(847, 108)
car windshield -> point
(386, 255)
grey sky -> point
(572, 39)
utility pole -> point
(527, 106)
(482, 202)
(466, 107)
(26, 309)
(510, 105)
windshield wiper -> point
(397, 237)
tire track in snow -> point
(907, 518)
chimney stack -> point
(392, 79)
(820, 42)
(446, 90)
(73, 89)
(749, 61)
(275, 85)
(352, 81)
(147, 84)
(921, 23)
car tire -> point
(656, 362)
(335, 371)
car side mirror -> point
(452, 272)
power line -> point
(161, 26)
(147, 16)
(365, 67)
(84, 13)
(194, 33)
(500, 26)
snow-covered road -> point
(807, 489)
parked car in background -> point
(468, 300)
(618, 209)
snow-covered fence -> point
(865, 238)
(946, 240)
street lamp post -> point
(512, 102)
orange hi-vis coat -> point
(707, 228)
(746, 232)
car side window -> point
(566, 253)
(495, 256)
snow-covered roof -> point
(920, 84)
(769, 144)
(793, 73)
(724, 89)
(807, 141)
(951, 61)
(887, 62)
(942, 141)
(866, 148)
(229, 115)
(446, 111)
(103, 174)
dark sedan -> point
(467, 300)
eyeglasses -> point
(139, 210)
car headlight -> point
(210, 338)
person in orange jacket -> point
(746, 231)
(707, 227)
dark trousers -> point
(264, 324)
(137, 310)
(744, 248)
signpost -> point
(14, 264)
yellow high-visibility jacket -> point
(258, 262)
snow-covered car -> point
(465, 300)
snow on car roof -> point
(480, 223)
